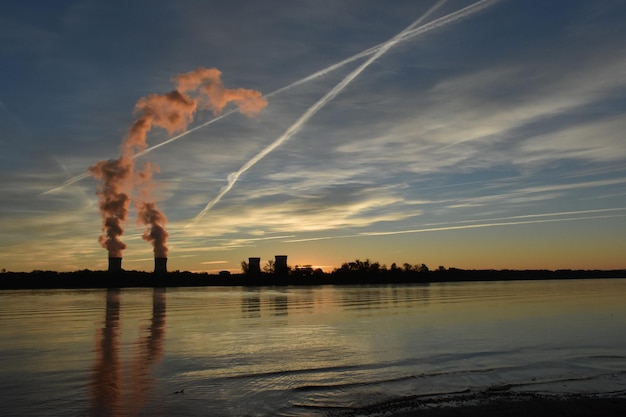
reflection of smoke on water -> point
(154, 343)
(106, 375)
(149, 350)
(111, 395)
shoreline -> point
(496, 404)
(40, 280)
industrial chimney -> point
(115, 264)
(280, 265)
(254, 267)
(160, 266)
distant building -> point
(115, 264)
(280, 265)
(254, 267)
(160, 266)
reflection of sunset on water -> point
(304, 351)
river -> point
(293, 351)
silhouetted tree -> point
(303, 271)
(269, 266)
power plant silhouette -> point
(254, 267)
(115, 264)
(160, 265)
(280, 267)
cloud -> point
(487, 223)
(598, 141)
(492, 224)
(504, 114)
(561, 187)
(336, 209)
(526, 196)
(513, 111)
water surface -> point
(302, 351)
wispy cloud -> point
(482, 124)
(299, 215)
(560, 187)
(483, 223)
(496, 224)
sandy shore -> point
(496, 404)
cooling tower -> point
(254, 267)
(115, 264)
(280, 265)
(160, 266)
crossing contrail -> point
(439, 22)
(295, 127)
(405, 35)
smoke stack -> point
(160, 266)
(115, 264)
(280, 265)
(254, 267)
(173, 111)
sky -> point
(467, 134)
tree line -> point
(356, 272)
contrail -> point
(482, 225)
(69, 182)
(437, 23)
(144, 152)
(494, 222)
(295, 127)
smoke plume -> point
(261, 103)
(173, 111)
(214, 96)
(148, 215)
(114, 176)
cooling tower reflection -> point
(106, 374)
(148, 351)
(123, 391)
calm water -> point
(302, 351)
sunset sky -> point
(494, 137)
